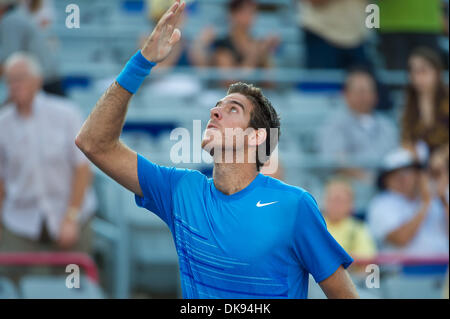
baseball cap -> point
(397, 159)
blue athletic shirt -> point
(261, 242)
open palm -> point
(165, 35)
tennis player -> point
(240, 234)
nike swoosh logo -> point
(258, 204)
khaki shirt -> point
(341, 22)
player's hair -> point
(263, 116)
(235, 5)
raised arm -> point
(99, 136)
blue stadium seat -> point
(7, 289)
(412, 286)
(54, 287)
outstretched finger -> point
(176, 36)
(169, 13)
(175, 19)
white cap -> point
(397, 159)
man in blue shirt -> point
(240, 234)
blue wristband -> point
(134, 72)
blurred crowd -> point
(46, 198)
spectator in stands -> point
(357, 135)
(407, 24)
(407, 217)
(334, 33)
(425, 119)
(42, 11)
(239, 49)
(349, 232)
(19, 32)
(45, 200)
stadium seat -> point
(412, 286)
(54, 287)
(7, 289)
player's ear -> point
(258, 137)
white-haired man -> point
(43, 176)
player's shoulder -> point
(194, 174)
(289, 192)
(190, 177)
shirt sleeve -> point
(158, 184)
(318, 252)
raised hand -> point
(165, 35)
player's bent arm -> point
(99, 140)
(339, 286)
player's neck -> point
(230, 178)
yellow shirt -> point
(354, 237)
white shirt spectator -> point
(45, 15)
(389, 210)
(38, 156)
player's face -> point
(231, 112)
